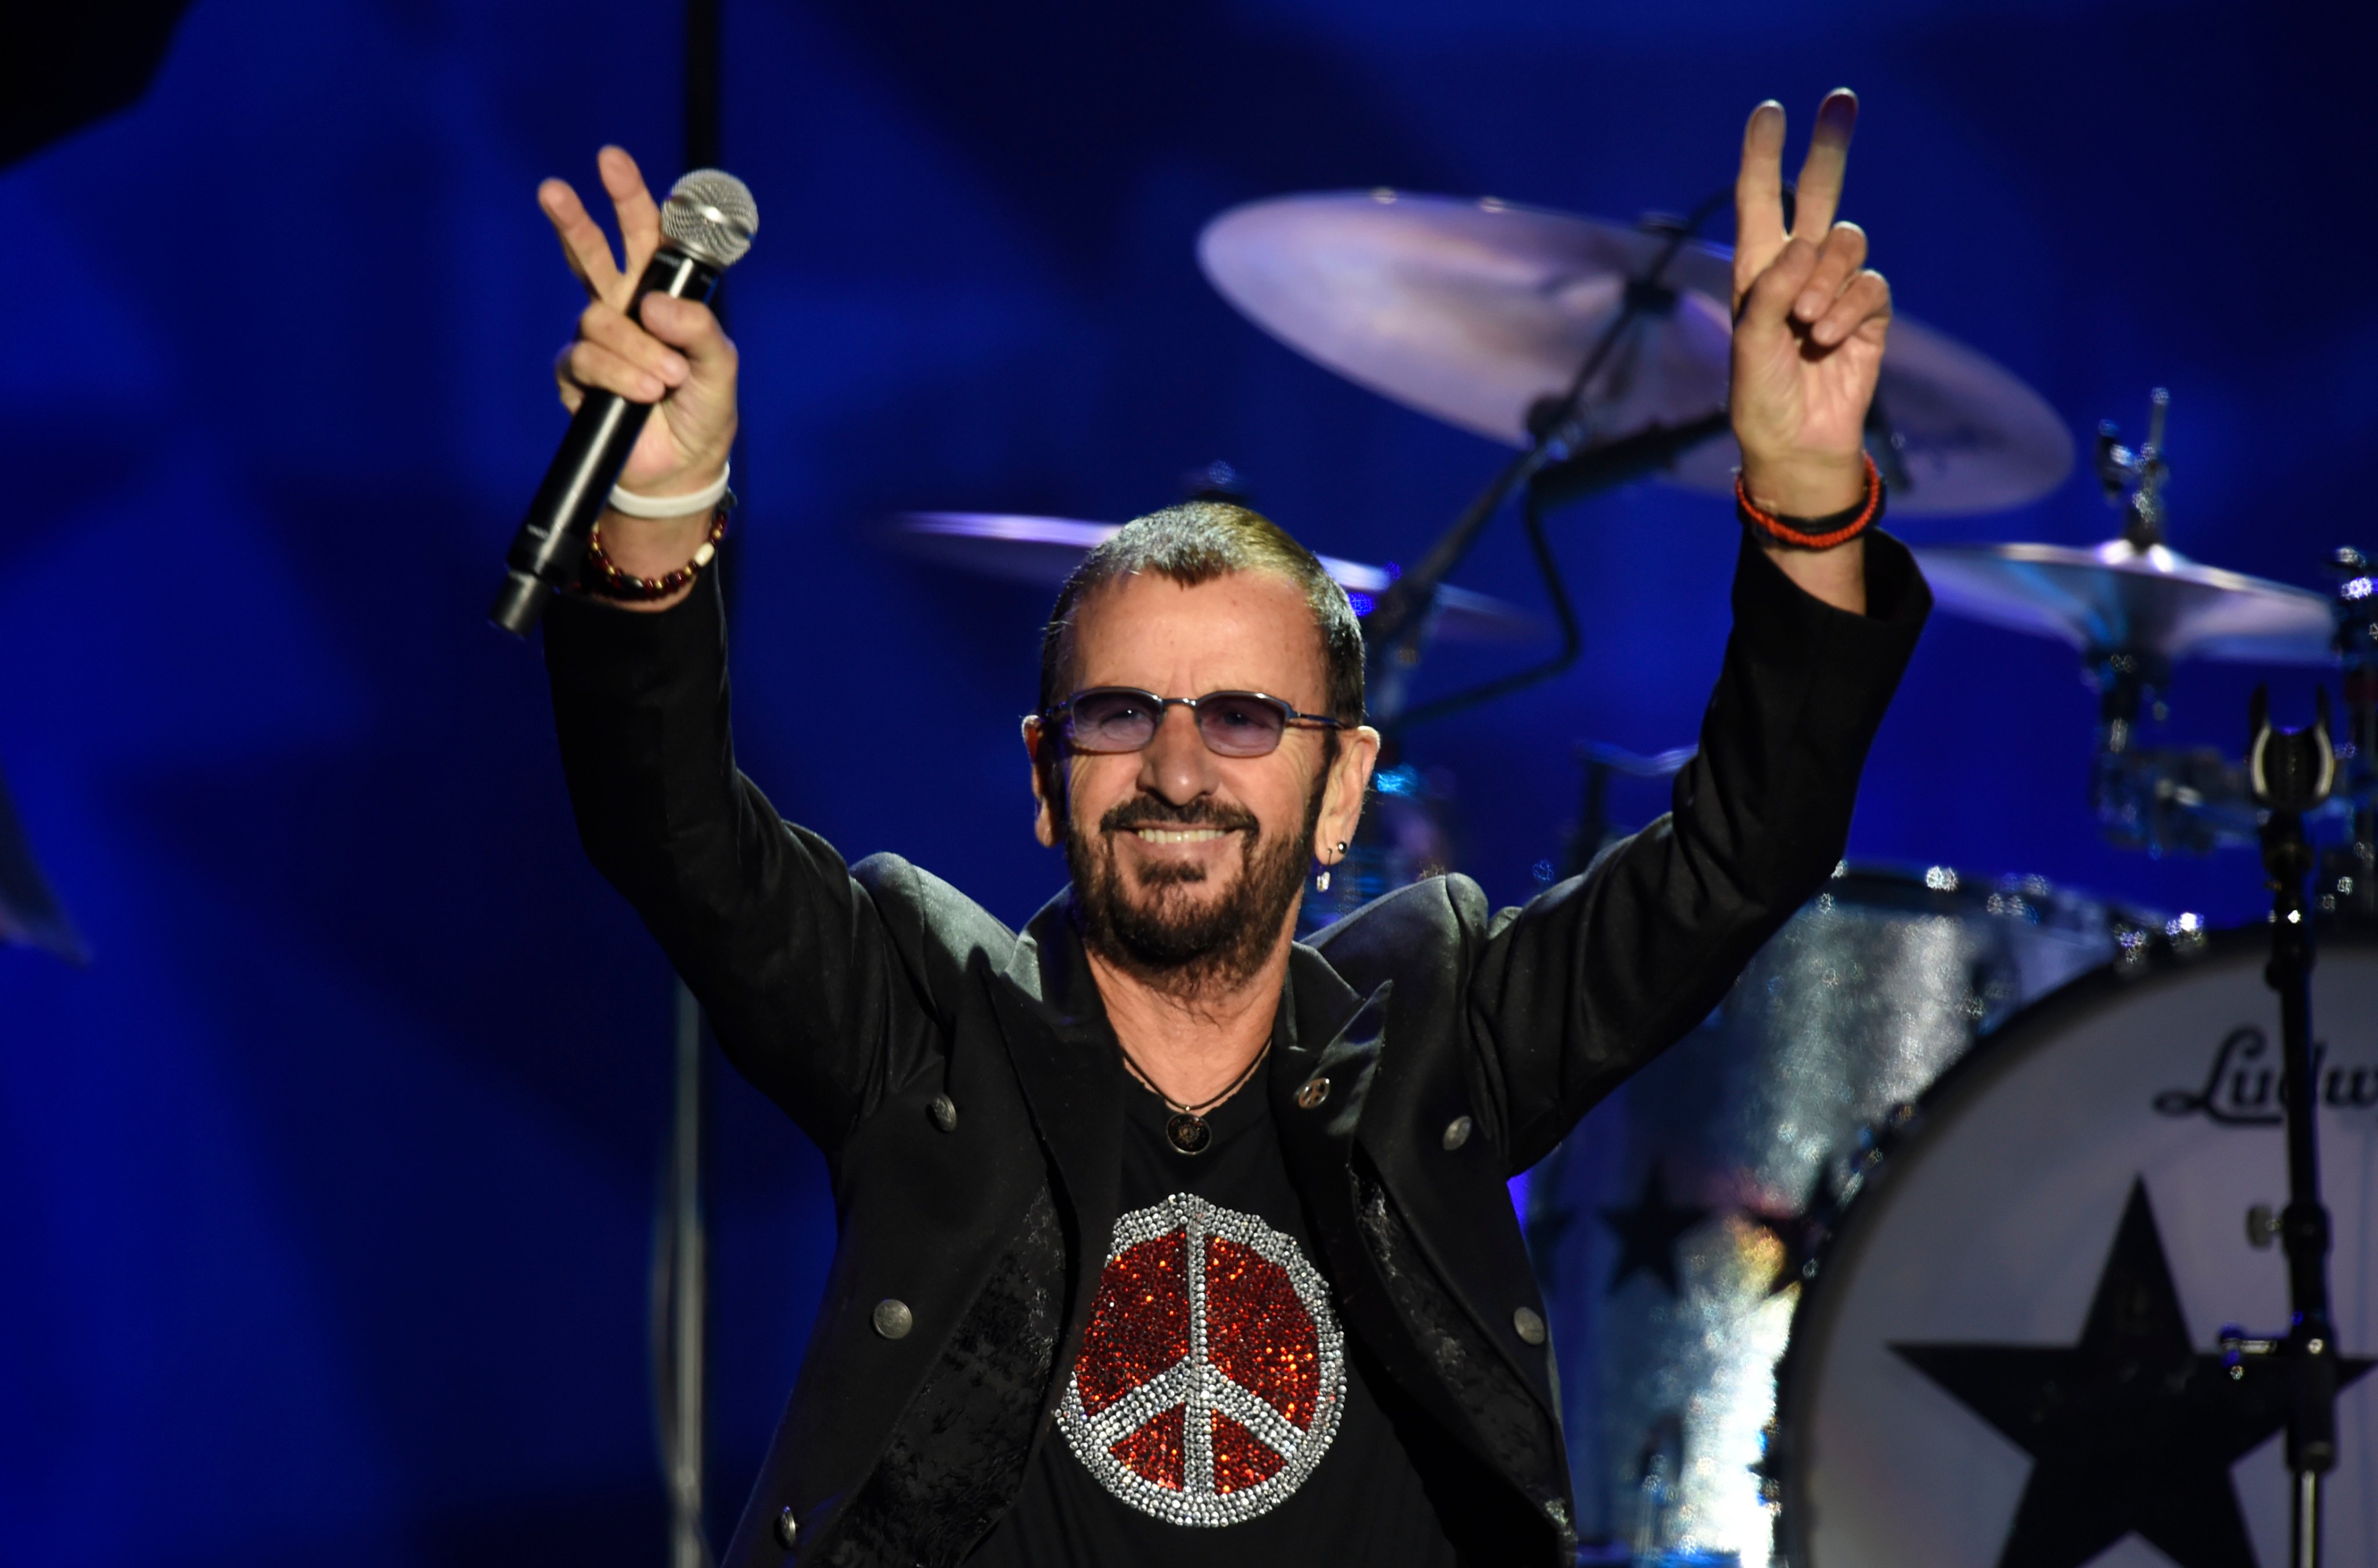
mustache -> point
(1149, 811)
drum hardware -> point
(1601, 351)
(1476, 312)
(2293, 773)
(2133, 607)
(2348, 877)
(1560, 431)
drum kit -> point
(1929, 1246)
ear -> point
(1044, 816)
(1350, 783)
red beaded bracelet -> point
(1813, 534)
(613, 583)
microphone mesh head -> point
(710, 216)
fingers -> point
(692, 328)
(1759, 196)
(1818, 193)
(640, 216)
(1838, 260)
(613, 354)
(1863, 307)
(1768, 305)
(583, 244)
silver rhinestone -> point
(894, 1319)
(945, 1112)
(1529, 1326)
(1457, 1133)
(1316, 1089)
(789, 1529)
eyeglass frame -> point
(1061, 716)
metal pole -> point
(685, 1306)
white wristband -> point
(630, 504)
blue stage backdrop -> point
(330, 1178)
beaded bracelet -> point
(1813, 534)
(613, 583)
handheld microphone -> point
(707, 225)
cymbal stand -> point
(2348, 874)
(2292, 771)
(2160, 800)
(1398, 626)
(2135, 479)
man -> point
(1165, 1238)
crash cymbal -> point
(1042, 550)
(1473, 311)
(2119, 597)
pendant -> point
(1188, 1134)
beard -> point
(1165, 936)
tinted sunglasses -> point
(1233, 724)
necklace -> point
(1185, 1129)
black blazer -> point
(962, 1082)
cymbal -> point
(1042, 551)
(2117, 597)
(1472, 311)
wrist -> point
(1804, 484)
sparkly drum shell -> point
(1851, 1011)
(1987, 1220)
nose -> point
(1176, 765)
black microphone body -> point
(552, 539)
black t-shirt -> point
(1224, 1415)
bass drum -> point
(2008, 1354)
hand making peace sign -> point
(675, 356)
(1809, 321)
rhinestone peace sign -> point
(1205, 1394)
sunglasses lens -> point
(1112, 721)
(1239, 725)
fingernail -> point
(650, 388)
(676, 369)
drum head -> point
(2070, 1199)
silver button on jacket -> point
(894, 1319)
(787, 1529)
(1457, 1133)
(1316, 1089)
(1529, 1326)
(945, 1112)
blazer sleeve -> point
(798, 963)
(1601, 973)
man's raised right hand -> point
(676, 358)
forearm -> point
(1598, 975)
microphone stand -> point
(2293, 773)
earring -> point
(1321, 880)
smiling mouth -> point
(1179, 835)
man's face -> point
(1187, 864)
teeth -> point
(1177, 835)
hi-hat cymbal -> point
(2118, 597)
(1042, 550)
(1473, 311)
